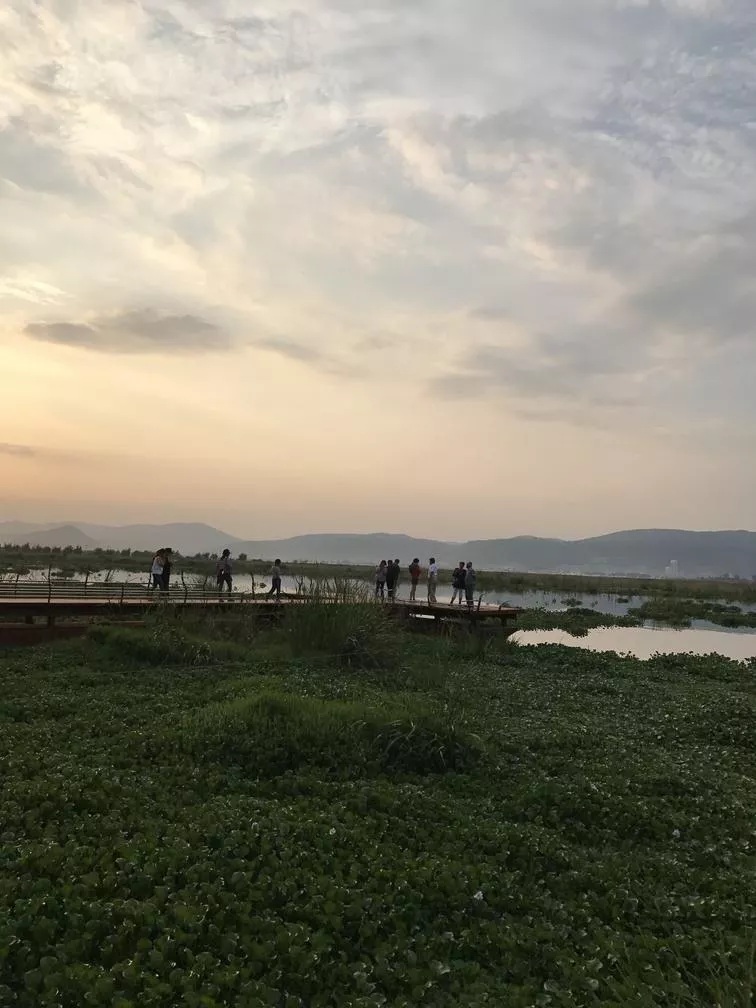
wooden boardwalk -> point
(53, 602)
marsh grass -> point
(164, 644)
(272, 733)
(340, 620)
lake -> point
(643, 642)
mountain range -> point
(640, 551)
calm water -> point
(642, 642)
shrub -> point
(275, 732)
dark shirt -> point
(458, 578)
(392, 575)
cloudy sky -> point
(458, 268)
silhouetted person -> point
(223, 571)
(275, 580)
(392, 579)
(414, 573)
(380, 580)
(458, 583)
(470, 578)
(165, 578)
(432, 580)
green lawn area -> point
(238, 826)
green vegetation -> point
(680, 612)
(577, 621)
(204, 814)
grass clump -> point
(275, 732)
(357, 634)
(164, 644)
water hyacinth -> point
(268, 826)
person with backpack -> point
(414, 573)
(458, 583)
(380, 580)
(470, 578)
(223, 571)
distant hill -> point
(643, 551)
(62, 535)
(186, 537)
(640, 551)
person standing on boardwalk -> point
(165, 577)
(470, 578)
(458, 583)
(432, 580)
(414, 573)
(380, 580)
(156, 571)
(392, 579)
(223, 571)
(275, 580)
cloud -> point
(334, 172)
(18, 451)
(292, 350)
(143, 331)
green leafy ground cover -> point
(576, 620)
(236, 829)
(680, 612)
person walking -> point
(165, 576)
(156, 571)
(392, 579)
(432, 580)
(223, 571)
(470, 578)
(380, 580)
(414, 573)
(458, 583)
(275, 580)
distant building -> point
(672, 570)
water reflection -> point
(642, 642)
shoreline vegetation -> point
(69, 562)
(334, 812)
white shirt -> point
(157, 565)
(433, 571)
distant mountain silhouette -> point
(61, 535)
(641, 551)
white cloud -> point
(546, 205)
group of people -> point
(162, 562)
(387, 575)
(160, 572)
(224, 575)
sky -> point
(460, 268)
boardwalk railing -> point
(53, 600)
